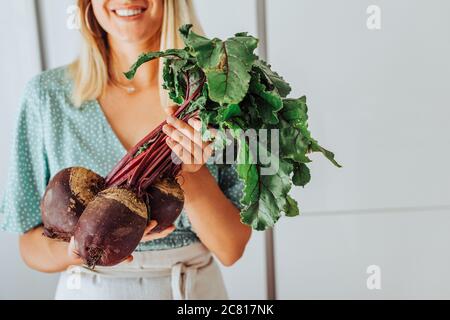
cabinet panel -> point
(327, 256)
(378, 98)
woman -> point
(88, 115)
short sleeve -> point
(28, 169)
(230, 184)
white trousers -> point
(184, 273)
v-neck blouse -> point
(51, 134)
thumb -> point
(171, 109)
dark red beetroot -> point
(65, 199)
(165, 201)
(110, 227)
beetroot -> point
(110, 227)
(112, 224)
(65, 199)
(165, 201)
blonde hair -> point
(90, 71)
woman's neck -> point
(123, 55)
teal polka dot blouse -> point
(52, 134)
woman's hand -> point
(186, 142)
(157, 235)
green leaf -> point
(173, 76)
(247, 171)
(146, 57)
(226, 64)
(293, 144)
(184, 31)
(229, 112)
(295, 138)
(315, 147)
(242, 92)
(283, 88)
(250, 112)
(295, 111)
(262, 214)
(291, 207)
(302, 175)
(207, 117)
(268, 102)
(195, 105)
(264, 194)
(273, 192)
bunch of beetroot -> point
(107, 221)
(229, 88)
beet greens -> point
(229, 88)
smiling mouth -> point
(128, 12)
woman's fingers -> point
(194, 151)
(197, 125)
(148, 237)
(208, 151)
(153, 236)
(186, 130)
(152, 224)
(183, 154)
(129, 259)
(166, 232)
(186, 142)
(189, 161)
(192, 129)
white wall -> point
(20, 61)
(380, 100)
(377, 98)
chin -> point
(136, 35)
(133, 37)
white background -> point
(378, 98)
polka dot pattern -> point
(51, 134)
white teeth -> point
(128, 12)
